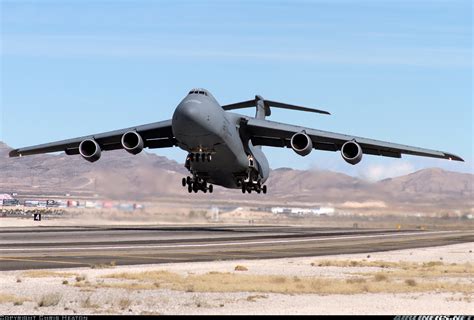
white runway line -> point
(223, 244)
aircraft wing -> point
(155, 135)
(274, 134)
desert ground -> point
(435, 280)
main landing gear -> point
(197, 184)
(249, 186)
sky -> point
(398, 70)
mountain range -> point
(147, 176)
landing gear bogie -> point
(196, 184)
(249, 186)
(200, 157)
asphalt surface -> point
(62, 247)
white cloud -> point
(218, 47)
(376, 172)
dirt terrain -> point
(434, 280)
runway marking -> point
(144, 257)
(274, 241)
(214, 253)
(46, 261)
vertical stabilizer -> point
(262, 109)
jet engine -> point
(90, 150)
(351, 152)
(132, 141)
(301, 143)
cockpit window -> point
(198, 92)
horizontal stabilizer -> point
(281, 105)
(267, 104)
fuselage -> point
(201, 126)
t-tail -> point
(263, 107)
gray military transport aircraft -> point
(224, 148)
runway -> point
(62, 247)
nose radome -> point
(190, 110)
(190, 119)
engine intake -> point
(351, 152)
(90, 150)
(301, 143)
(132, 142)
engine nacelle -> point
(90, 150)
(351, 152)
(132, 141)
(301, 143)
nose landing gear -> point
(196, 184)
(199, 157)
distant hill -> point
(120, 175)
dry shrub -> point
(356, 280)
(47, 273)
(380, 277)
(279, 279)
(254, 298)
(145, 275)
(80, 278)
(124, 303)
(88, 304)
(410, 282)
(103, 265)
(5, 298)
(49, 300)
(433, 264)
(356, 263)
(403, 269)
(235, 282)
(241, 268)
(65, 282)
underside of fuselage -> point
(217, 153)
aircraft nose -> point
(190, 112)
(190, 118)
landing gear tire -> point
(190, 189)
(264, 189)
(209, 157)
(184, 182)
(211, 188)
